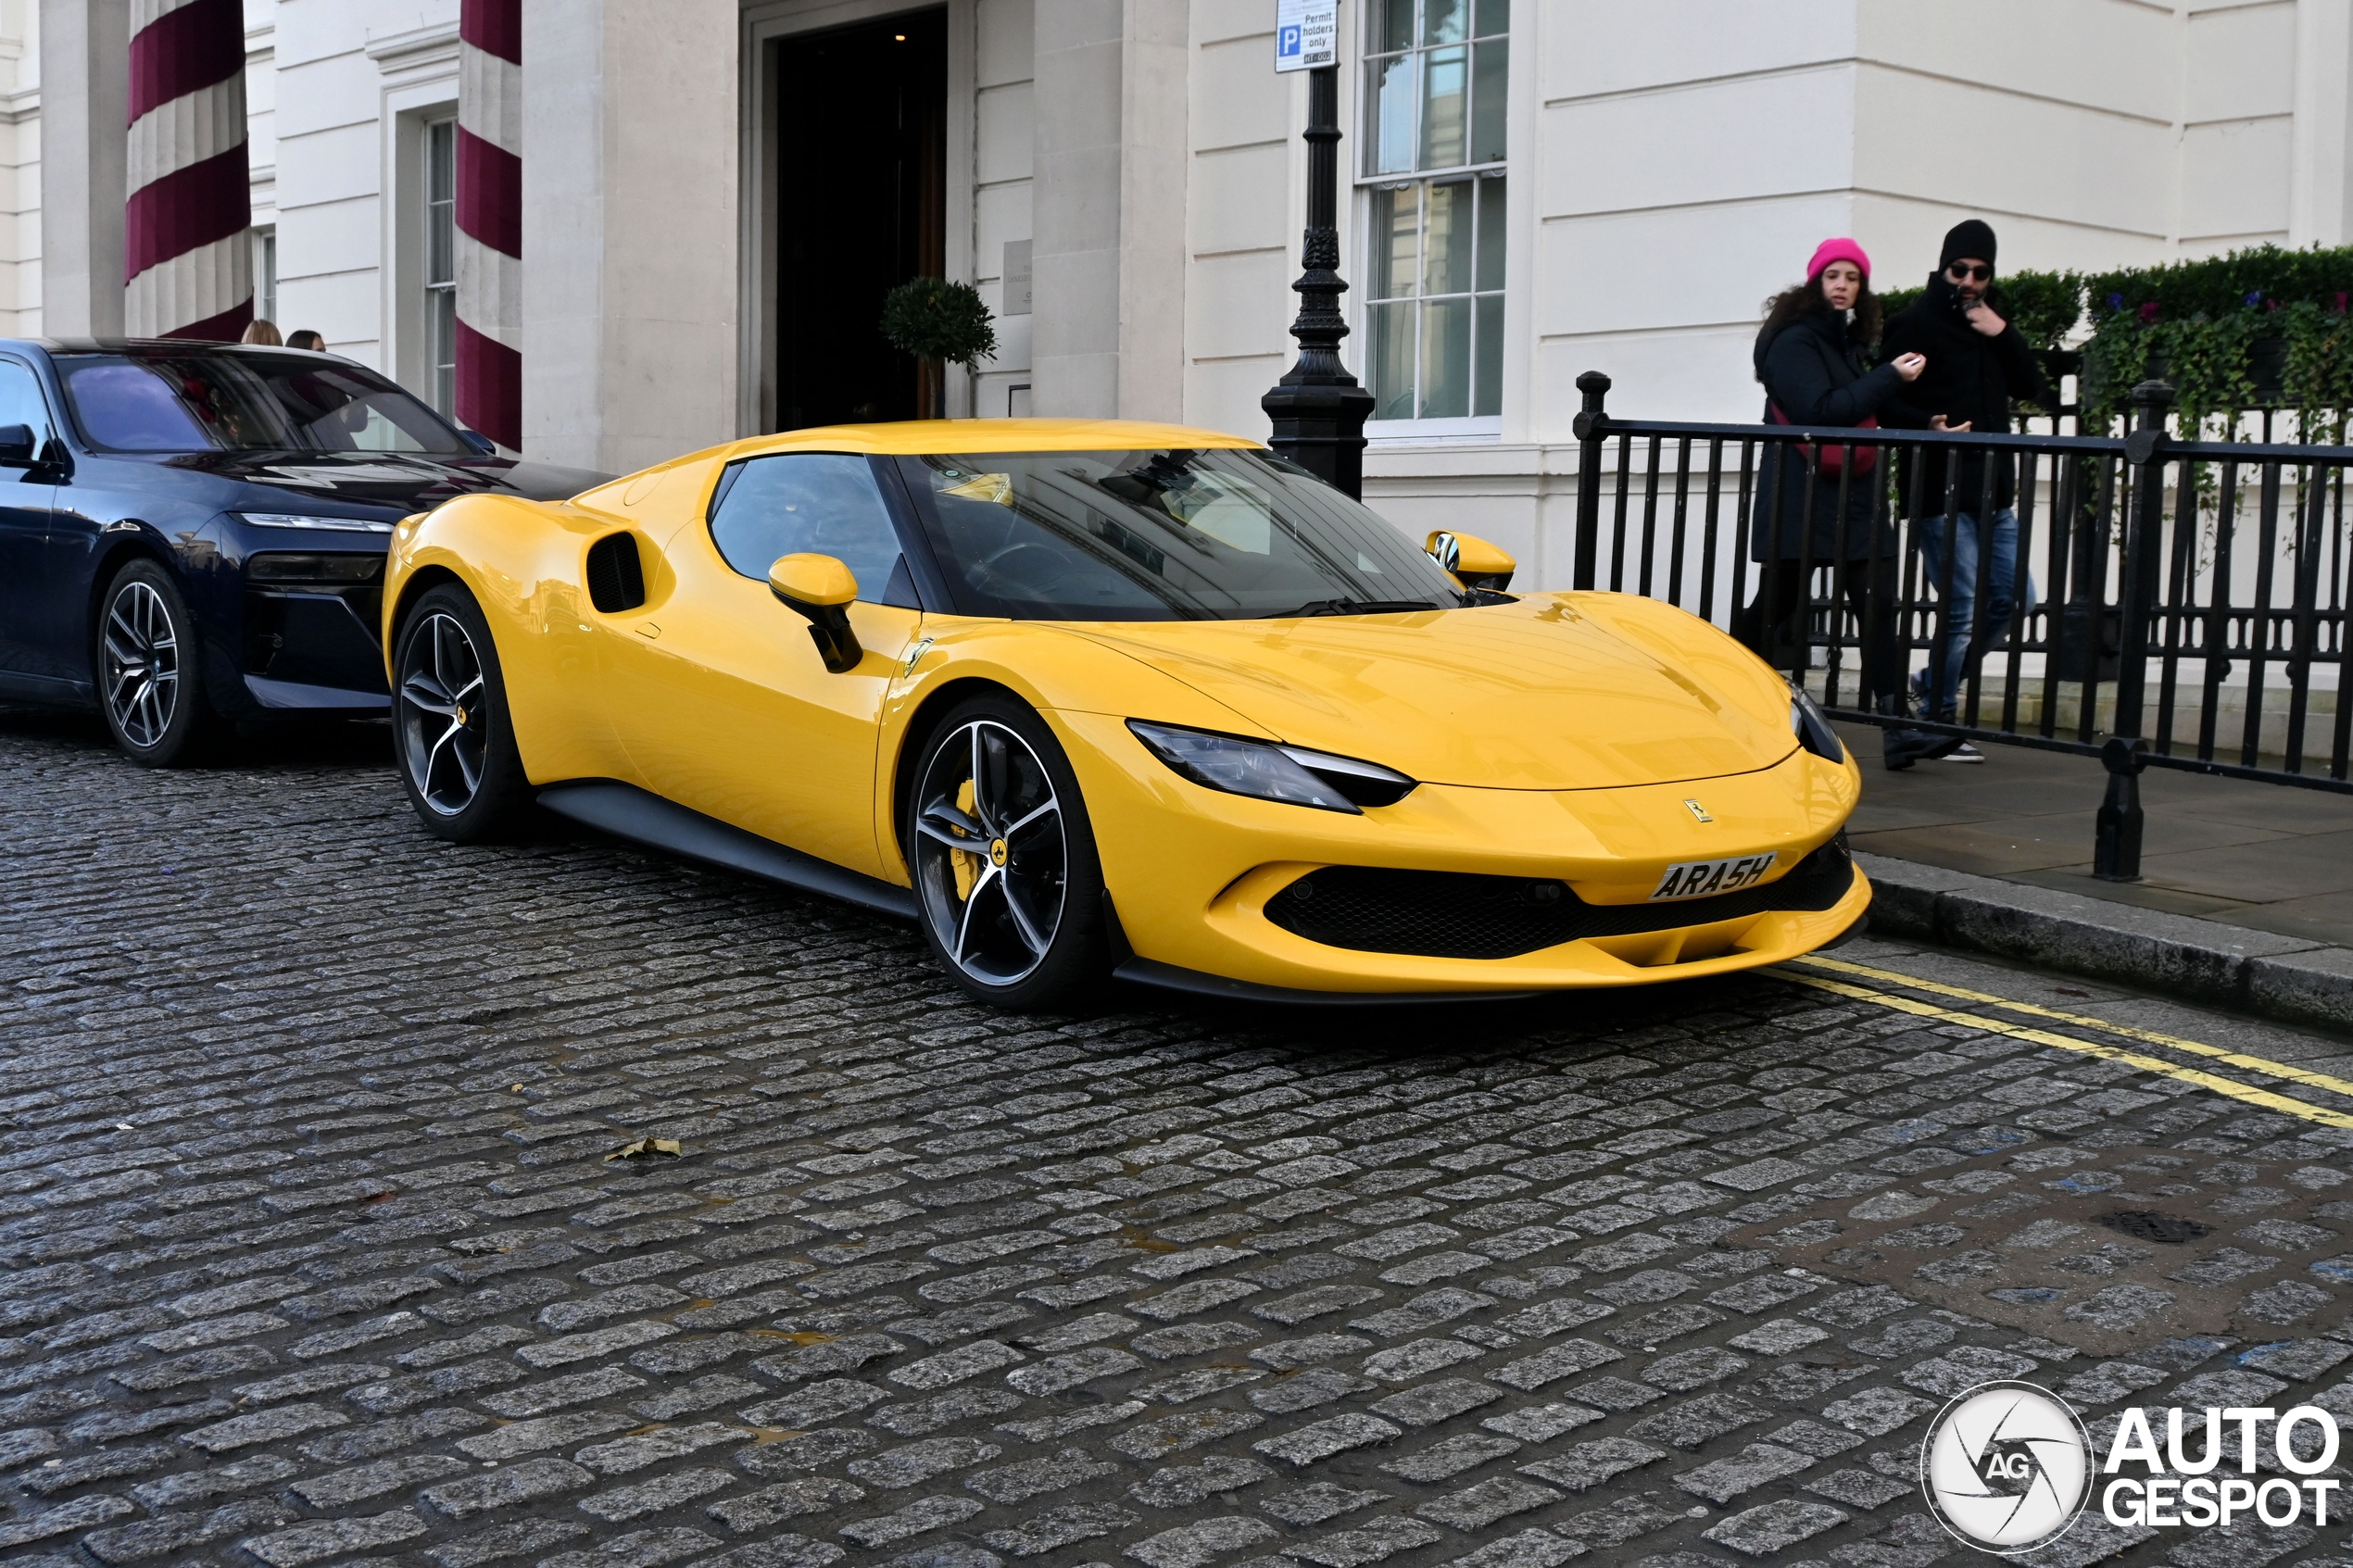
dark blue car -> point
(193, 534)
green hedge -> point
(2264, 327)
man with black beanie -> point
(1977, 363)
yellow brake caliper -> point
(965, 862)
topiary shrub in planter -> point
(940, 323)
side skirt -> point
(626, 811)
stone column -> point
(85, 95)
(1108, 255)
(489, 215)
(630, 203)
(188, 223)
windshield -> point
(199, 400)
(1188, 534)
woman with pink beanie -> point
(1813, 358)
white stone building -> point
(1581, 183)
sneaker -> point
(1963, 753)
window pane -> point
(1446, 346)
(819, 503)
(1491, 233)
(1446, 249)
(1391, 331)
(1395, 28)
(1396, 229)
(1489, 90)
(441, 237)
(443, 303)
(1494, 15)
(1388, 115)
(1448, 73)
(1443, 20)
(21, 402)
(1489, 396)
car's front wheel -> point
(449, 721)
(150, 669)
(1004, 859)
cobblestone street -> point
(317, 1247)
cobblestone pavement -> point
(315, 1252)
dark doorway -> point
(862, 131)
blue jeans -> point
(1960, 609)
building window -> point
(265, 274)
(1434, 113)
(441, 262)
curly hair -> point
(1862, 324)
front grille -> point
(1460, 915)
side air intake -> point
(616, 581)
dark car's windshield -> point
(1188, 534)
(168, 399)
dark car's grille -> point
(1459, 915)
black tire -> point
(451, 734)
(148, 661)
(993, 787)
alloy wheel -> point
(444, 732)
(143, 665)
(991, 857)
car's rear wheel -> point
(150, 669)
(1004, 860)
(449, 721)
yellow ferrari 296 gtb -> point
(1086, 698)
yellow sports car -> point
(1087, 697)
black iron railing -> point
(2183, 604)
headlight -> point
(1812, 727)
(322, 524)
(1265, 770)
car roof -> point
(154, 345)
(914, 437)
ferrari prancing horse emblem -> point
(1698, 811)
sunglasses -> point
(1961, 272)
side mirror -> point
(820, 589)
(482, 444)
(16, 447)
(1474, 562)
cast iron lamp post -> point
(1317, 409)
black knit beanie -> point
(1972, 237)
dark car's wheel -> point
(1004, 859)
(150, 669)
(449, 723)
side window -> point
(22, 403)
(814, 503)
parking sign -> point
(1306, 33)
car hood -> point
(400, 482)
(1552, 692)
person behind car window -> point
(264, 332)
(1821, 503)
(303, 337)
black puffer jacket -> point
(1970, 377)
(1818, 376)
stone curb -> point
(2287, 978)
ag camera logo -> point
(2006, 1467)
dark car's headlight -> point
(334, 568)
(1812, 727)
(1266, 771)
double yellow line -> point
(2280, 1071)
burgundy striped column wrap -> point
(490, 219)
(187, 245)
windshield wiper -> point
(1353, 606)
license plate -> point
(1698, 878)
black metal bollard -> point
(1592, 432)
(2115, 851)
